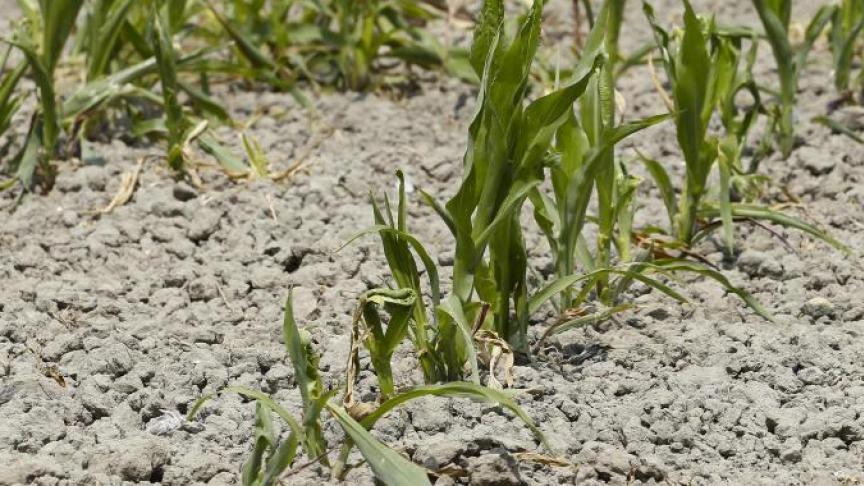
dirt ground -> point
(111, 326)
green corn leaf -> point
(245, 46)
(104, 39)
(460, 390)
(775, 29)
(43, 76)
(389, 466)
(440, 210)
(562, 283)
(9, 100)
(229, 162)
(256, 157)
(681, 265)
(453, 308)
(812, 32)
(297, 343)
(727, 155)
(844, 39)
(590, 319)
(58, 18)
(752, 211)
(175, 122)
(204, 103)
(28, 158)
(664, 184)
(837, 127)
(508, 207)
(264, 439)
(95, 93)
(428, 262)
(280, 460)
(260, 397)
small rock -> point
(136, 458)
(304, 301)
(203, 288)
(660, 313)
(184, 192)
(439, 451)
(791, 450)
(758, 264)
(702, 375)
(117, 360)
(204, 224)
(266, 278)
(785, 422)
(69, 218)
(7, 393)
(816, 161)
(279, 377)
(494, 469)
(429, 414)
(170, 421)
(818, 307)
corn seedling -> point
(507, 146)
(271, 457)
(847, 21)
(702, 67)
(776, 17)
(339, 43)
(584, 159)
(444, 345)
(42, 46)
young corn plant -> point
(342, 43)
(700, 64)
(847, 21)
(508, 142)
(776, 17)
(443, 341)
(42, 45)
(272, 457)
(584, 160)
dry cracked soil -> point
(111, 326)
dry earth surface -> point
(180, 292)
